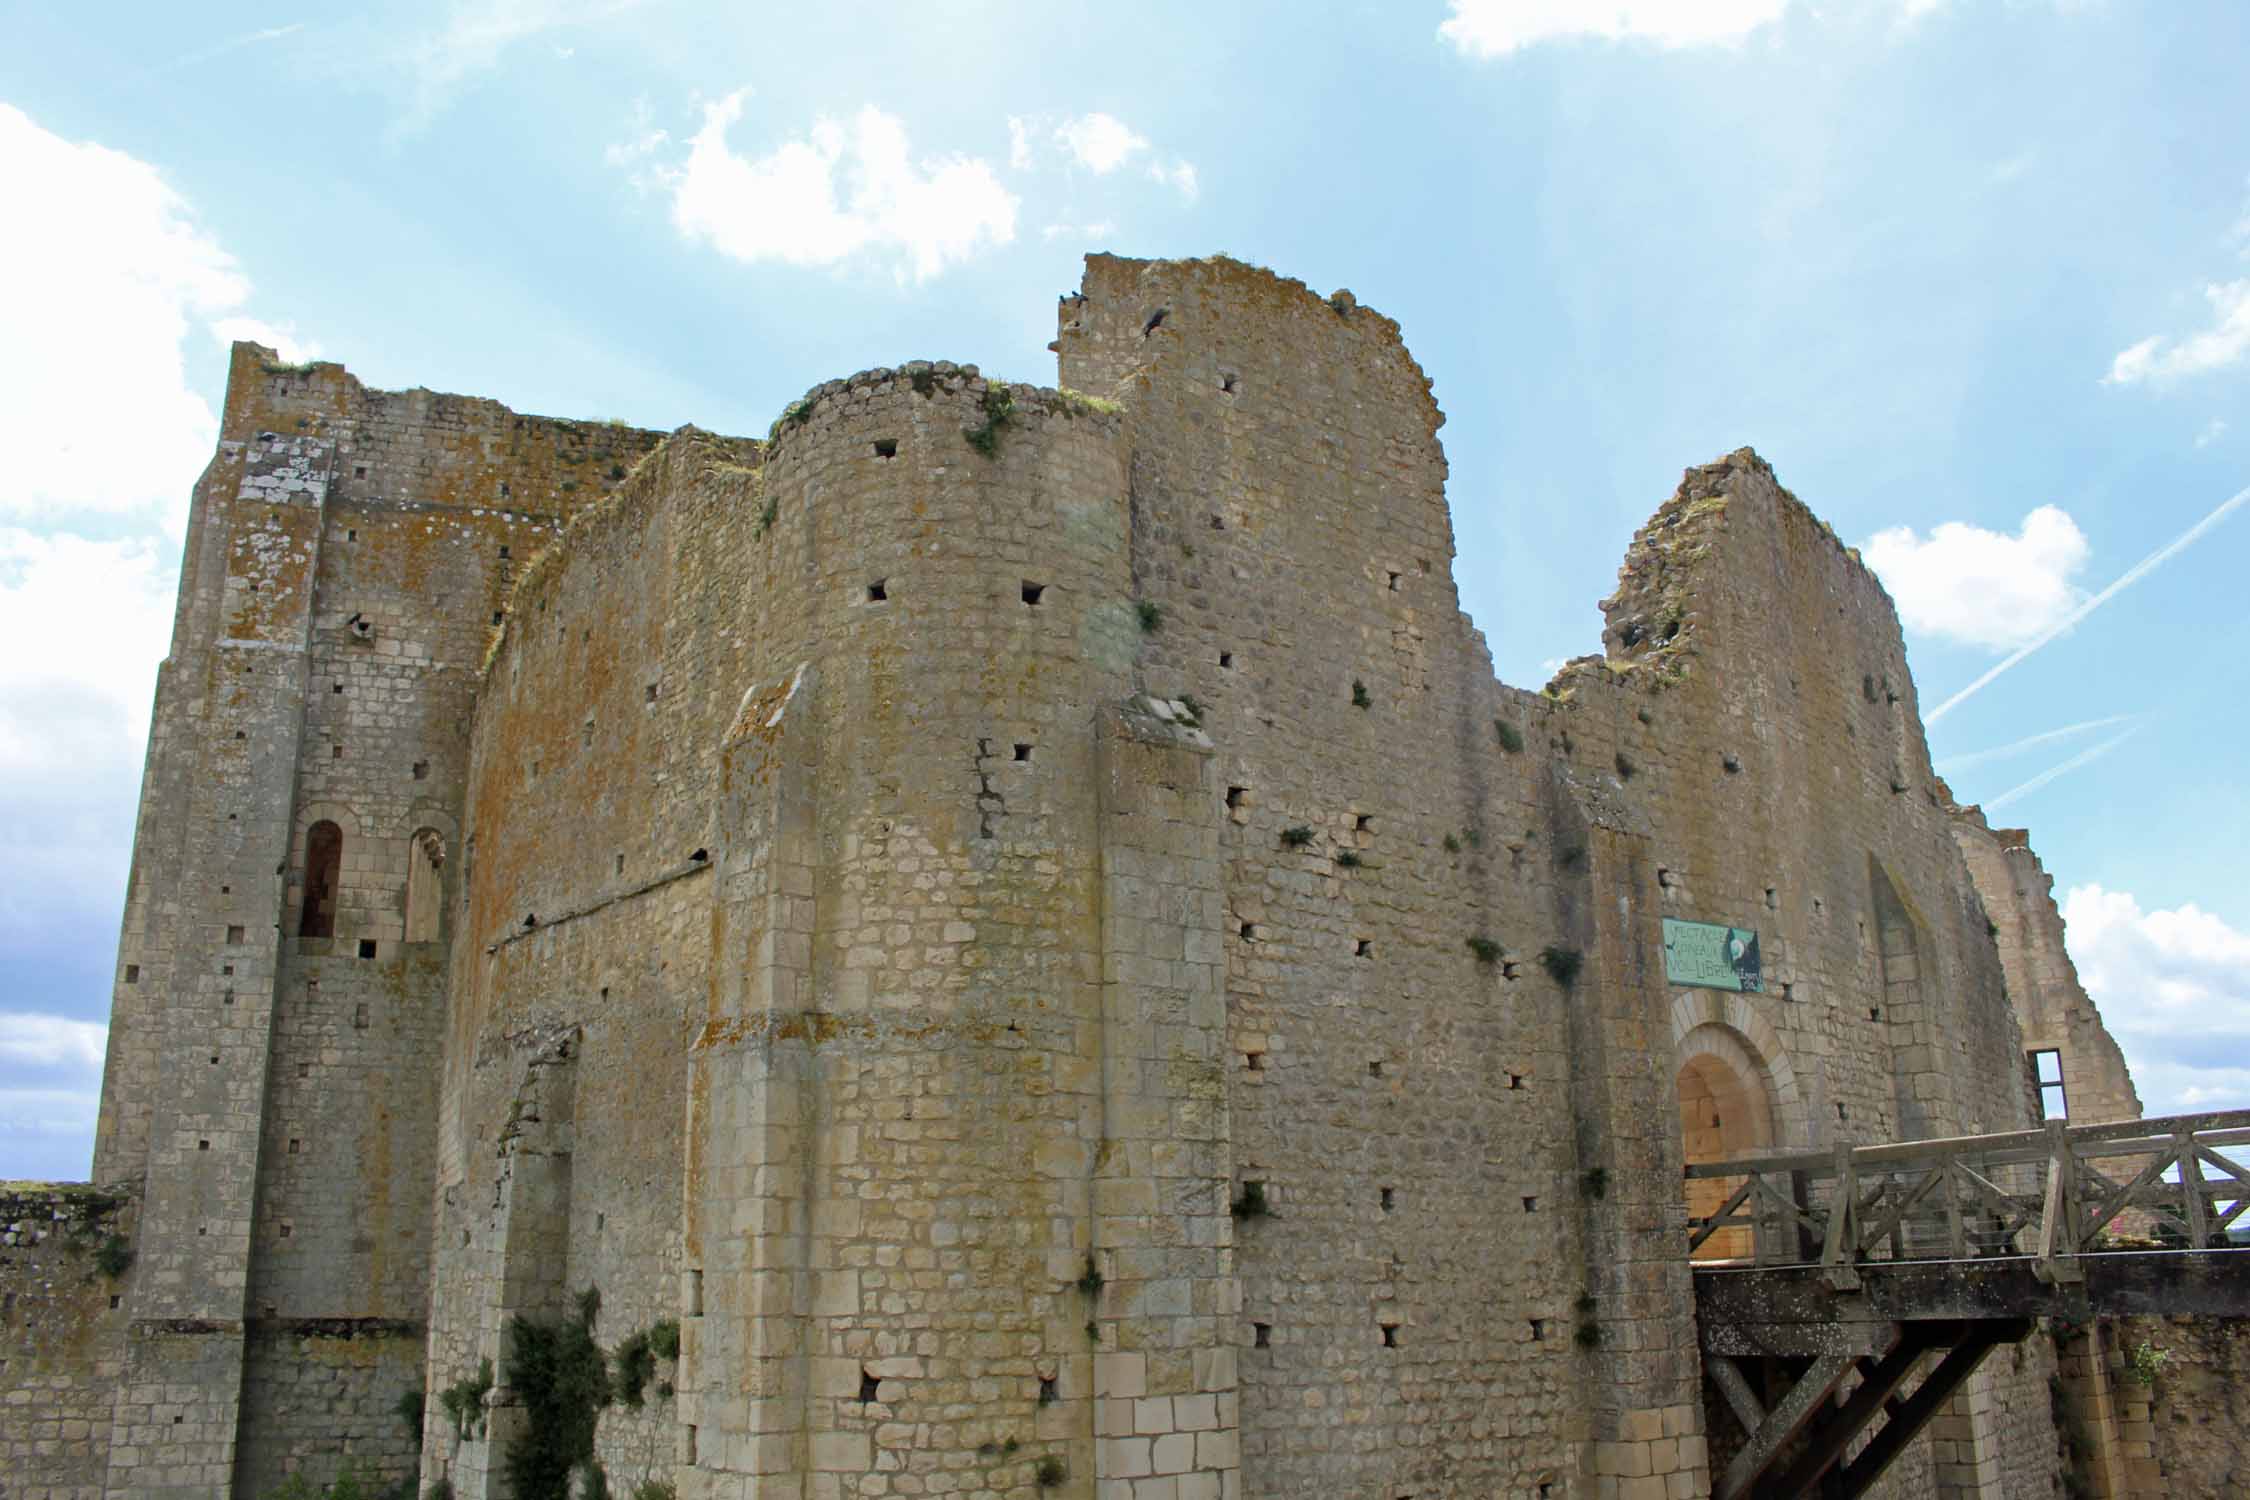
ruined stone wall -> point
(62, 1328)
(2182, 1388)
(2052, 1006)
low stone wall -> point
(61, 1314)
(2182, 1428)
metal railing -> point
(2052, 1194)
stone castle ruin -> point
(1003, 941)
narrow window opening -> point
(878, 591)
(359, 471)
(695, 1294)
(202, 1145)
(1254, 1061)
(132, 973)
(1261, 1335)
(1363, 948)
(1394, 581)
(421, 770)
(1249, 932)
(620, 864)
(335, 687)
(335, 752)
(351, 535)
(886, 447)
(115, 1300)
(1530, 1204)
(650, 693)
(1226, 660)
(295, 1147)
(1218, 523)
(496, 617)
(230, 997)
(1375, 1068)
(1363, 823)
(1664, 879)
(503, 551)
(1874, 1013)
(214, 1059)
(1236, 795)
(324, 863)
(1390, 1200)
(1228, 382)
(2047, 1073)
(1773, 902)
(226, 968)
(1023, 752)
(1033, 592)
(1048, 1395)
(1515, 1080)
(1539, 1330)
(359, 1016)
(868, 1386)
(1788, 990)
(234, 934)
(1842, 1113)
(366, 947)
(287, 1229)
(1390, 1335)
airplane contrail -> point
(2131, 576)
(2083, 757)
(2001, 752)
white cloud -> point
(1494, 28)
(846, 189)
(1978, 587)
(51, 1041)
(1098, 142)
(2224, 343)
(100, 298)
(2174, 988)
(475, 34)
(1179, 175)
(2212, 431)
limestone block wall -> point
(62, 1326)
(2052, 1006)
(2181, 1429)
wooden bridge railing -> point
(2050, 1194)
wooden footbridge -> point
(1855, 1271)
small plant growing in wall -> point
(1452, 844)
(563, 1379)
(1561, 964)
(113, 1257)
(999, 411)
(664, 1339)
(1194, 709)
(1151, 615)
(1297, 837)
(463, 1401)
(1250, 1203)
(1595, 1180)
(1090, 1281)
(1347, 859)
(1359, 695)
(2144, 1362)
(1049, 1472)
(1486, 950)
(1511, 738)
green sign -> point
(1712, 957)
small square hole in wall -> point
(503, 551)
(1236, 795)
(1218, 523)
(230, 997)
(1261, 1335)
(1249, 932)
(1254, 1061)
(335, 752)
(1226, 660)
(1773, 902)
(1394, 582)
(234, 934)
(287, 1229)
(496, 617)
(1530, 1204)
(1390, 1200)
(1539, 1330)
(132, 973)
(886, 447)
(421, 770)
(226, 968)
(1363, 822)
(1375, 1068)
(350, 535)
(1390, 1335)
(878, 591)
(359, 471)
(214, 1059)
(238, 734)
(115, 1300)
(1788, 990)
(1033, 592)
(1023, 752)
(335, 687)
(1515, 1080)
(649, 693)
(1363, 948)
(1874, 1013)
(1842, 1113)
(366, 947)
(226, 890)
(1048, 1394)
(304, 1070)
(869, 1386)
(202, 1145)
(295, 1147)
(620, 864)
(359, 1016)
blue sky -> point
(1975, 278)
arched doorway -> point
(324, 867)
(1726, 1110)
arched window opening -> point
(425, 885)
(324, 867)
(1725, 1111)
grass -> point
(1486, 950)
(1297, 837)
(999, 411)
(1347, 859)
(464, 1401)
(113, 1257)
(1511, 738)
(1151, 615)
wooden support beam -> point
(1782, 1424)
(1959, 1363)
(1837, 1431)
(1735, 1386)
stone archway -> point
(1727, 1109)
